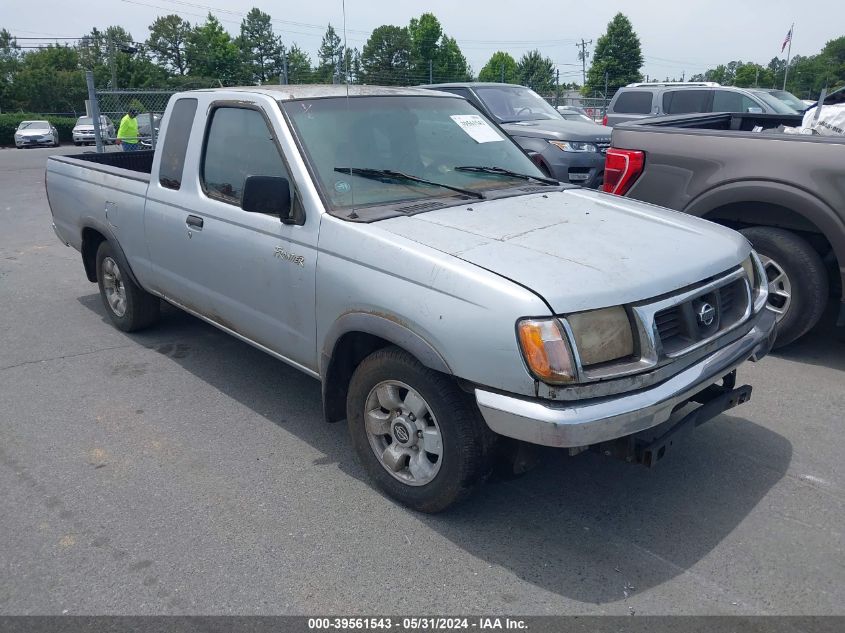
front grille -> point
(702, 317)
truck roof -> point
(316, 91)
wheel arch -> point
(766, 203)
(92, 237)
(353, 337)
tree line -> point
(806, 78)
(176, 54)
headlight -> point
(575, 146)
(758, 280)
(546, 350)
(602, 335)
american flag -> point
(787, 39)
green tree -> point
(536, 72)
(260, 48)
(212, 53)
(832, 63)
(10, 62)
(617, 58)
(168, 40)
(751, 76)
(299, 66)
(329, 57)
(386, 57)
(49, 80)
(500, 67)
(424, 33)
(450, 63)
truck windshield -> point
(347, 142)
(516, 103)
(774, 103)
(789, 99)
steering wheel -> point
(523, 109)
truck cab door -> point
(248, 272)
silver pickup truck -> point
(395, 244)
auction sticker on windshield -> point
(477, 128)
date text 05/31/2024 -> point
(411, 623)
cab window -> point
(238, 144)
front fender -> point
(384, 326)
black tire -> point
(141, 308)
(807, 277)
(467, 442)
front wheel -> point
(129, 306)
(798, 284)
(416, 434)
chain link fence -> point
(113, 105)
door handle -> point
(194, 222)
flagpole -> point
(788, 54)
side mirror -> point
(753, 110)
(269, 195)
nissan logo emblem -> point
(706, 315)
(401, 433)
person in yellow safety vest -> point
(127, 133)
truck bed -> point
(140, 161)
(734, 125)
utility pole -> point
(582, 55)
(503, 72)
(557, 87)
(430, 75)
(756, 76)
(112, 64)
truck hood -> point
(560, 130)
(579, 249)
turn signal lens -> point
(546, 350)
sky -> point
(676, 37)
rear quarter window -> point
(633, 102)
(176, 143)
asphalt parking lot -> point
(179, 470)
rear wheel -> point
(129, 307)
(416, 434)
(798, 284)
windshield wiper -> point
(501, 171)
(387, 175)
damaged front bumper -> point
(586, 423)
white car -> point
(35, 134)
(83, 131)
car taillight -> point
(622, 167)
(604, 120)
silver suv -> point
(644, 100)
